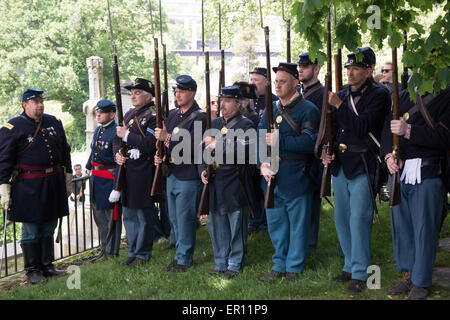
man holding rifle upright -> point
(137, 205)
(184, 186)
(424, 144)
(359, 111)
(289, 220)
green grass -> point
(111, 280)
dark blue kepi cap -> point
(185, 82)
(287, 67)
(303, 59)
(248, 89)
(260, 70)
(368, 58)
(32, 93)
(143, 84)
(105, 106)
(231, 92)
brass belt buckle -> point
(342, 147)
(216, 165)
(171, 160)
(49, 170)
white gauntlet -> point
(114, 196)
(134, 153)
(5, 194)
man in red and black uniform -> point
(35, 180)
(103, 170)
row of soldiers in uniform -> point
(34, 145)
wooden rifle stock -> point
(203, 207)
(157, 178)
(338, 70)
(394, 192)
(269, 197)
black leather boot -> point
(47, 257)
(32, 262)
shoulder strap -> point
(32, 140)
(313, 89)
(356, 112)
(426, 115)
(191, 117)
(298, 129)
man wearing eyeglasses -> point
(386, 71)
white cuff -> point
(125, 136)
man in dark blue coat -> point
(137, 205)
(103, 170)
(290, 218)
(231, 191)
(182, 135)
(416, 220)
(35, 181)
(358, 115)
(258, 77)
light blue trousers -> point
(353, 214)
(183, 197)
(229, 237)
(288, 223)
(415, 226)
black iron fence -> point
(76, 233)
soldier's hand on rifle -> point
(210, 142)
(120, 160)
(399, 127)
(391, 165)
(266, 171)
(121, 130)
(161, 134)
(203, 176)
(272, 137)
(326, 159)
(334, 100)
(159, 160)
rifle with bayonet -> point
(326, 122)
(120, 181)
(157, 178)
(222, 63)
(288, 34)
(165, 94)
(203, 208)
(405, 75)
(337, 63)
(394, 192)
(269, 196)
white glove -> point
(114, 196)
(69, 178)
(134, 153)
(412, 171)
(5, 194)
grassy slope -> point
(110, 280)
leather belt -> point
(430, 162)
(41, 171)
(105, 167)
(224, 166)
(351, 148)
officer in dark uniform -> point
(36, 175)
(360, 109)
(231, 191)
(258, 77)
(182, 135)
(289, 220)
(312, 90)
(103, 170)
(424, 145)
(137, 205)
